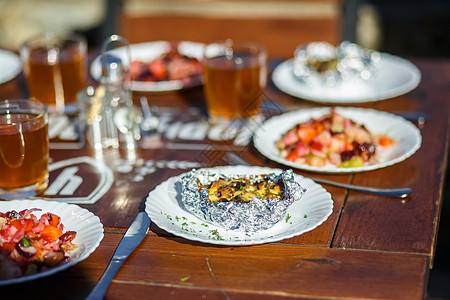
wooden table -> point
(370, 246)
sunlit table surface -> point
(369, 247)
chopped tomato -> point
(51, 232)
(305, 133)
(158, 69)
(290, 138)
(299, 150)
(25, 224)
(8, 247)
(137, 68)
(17, 223)
(348, 146)
(385, 141)
(317, 128)
(315, 145)
(54, 219)
(28, 224)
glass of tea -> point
(24, 148)
(235, 75)
(55, 67)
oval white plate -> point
(165, 209)
(11, 66)
(408, 136)
(147, 52)
(395, 76)
(88, 227)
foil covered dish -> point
(246, 203)
(323, 64)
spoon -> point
(150, 121)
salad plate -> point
(165, 209)
(407, 135)
(88, 228)
(395, 76)
(147, 52)
(11, 66)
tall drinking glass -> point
(235, 75)
(24, 148)
(55, 66)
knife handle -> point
(102, 286)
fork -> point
(234, 159)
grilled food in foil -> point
(246, 203)
(321, 63)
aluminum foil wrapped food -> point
(320, 63)
(255, 214)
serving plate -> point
(147, 52)
(395, 76)
(88, 227)
(11, 66)
(165, 209)
(407, 135)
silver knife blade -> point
(132, 238)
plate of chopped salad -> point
(337, 140)
(160, 65)
(39, 238)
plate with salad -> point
(159, 65)
(39, 238)
(337, 139)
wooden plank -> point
(276, 270)
(173, 268)
(275, 34)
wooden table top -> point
(370, 246)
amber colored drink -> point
(234, 84)
(43, 77)
(56, 71)
(232, 91)
(23, 155)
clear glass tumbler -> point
(24, 148)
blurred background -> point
(408, 28)
(402, 27)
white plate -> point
(147, 52)
(395, 76)
(10, 66)
(74, 218)
(165, 209)
(377, 122)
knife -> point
(132, 238)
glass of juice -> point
(24, 148)
(55, 67)
(235, 76)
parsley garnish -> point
(288, 217)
